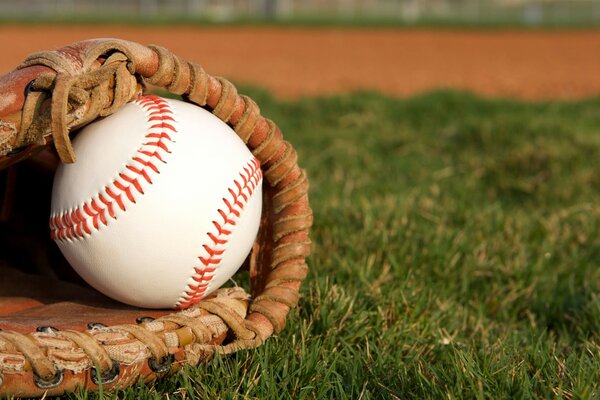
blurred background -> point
(525, 49)
(520, 12)
(453, 148)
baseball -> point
(162, 206)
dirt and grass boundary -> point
(296, 61)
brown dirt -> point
(294, 62)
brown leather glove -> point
(57, 333)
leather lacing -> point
(99, 93)
(112, 77)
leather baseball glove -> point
(56, 333)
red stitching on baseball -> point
(203, 275)
(73, 224)
(215, 239)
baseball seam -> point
(95, 213)
(240, 193)
(75, 224)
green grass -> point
(456, 255)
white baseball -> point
(162, 206)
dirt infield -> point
(294, 62)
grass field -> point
(456, 255)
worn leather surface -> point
(28, 300)
(46, 99)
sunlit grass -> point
(456, 255)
